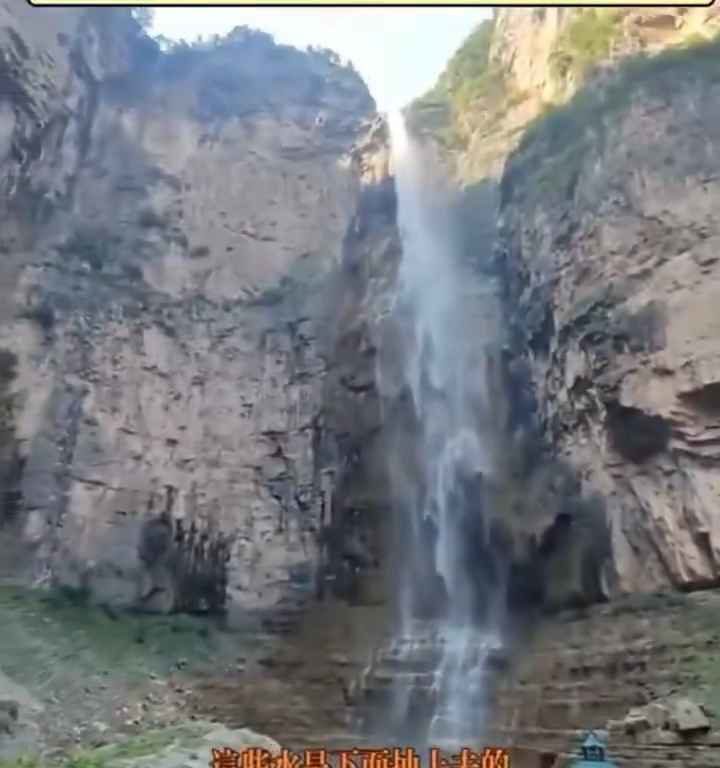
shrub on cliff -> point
(556, 146)
(586, 40)
(468, 81)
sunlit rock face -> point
(537, 58)
(175, 232)
(609, 242)
(596, 124)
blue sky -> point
(398, 51)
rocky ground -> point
(81, 688)
(75, 678)
(80, 683)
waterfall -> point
(449, 591)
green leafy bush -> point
(586, 40)
(468, 81)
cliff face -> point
(610, 243)
(524, 62)
(172, 226)
(600, 168)
(596, 126)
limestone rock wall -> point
(174, 230)
(596, 125)
(524, 61)
(609, 246)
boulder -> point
(686, 717)
(637, 720)
(682, 716)
(658, 714)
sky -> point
(398, 51)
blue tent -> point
(593, 754)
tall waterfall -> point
(448, 581)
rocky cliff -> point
(586, 148)
(177, 226)
(523, 62)
(590, 132)
(608, 243)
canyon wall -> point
(607, 246)
(611, 254)
(181, 232)
(591, 133)
(585, 142)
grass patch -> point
(83, 761)
(144, 745)
(42, 630)
(23, 761)
(699, 618)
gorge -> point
(409, 422)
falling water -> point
(444, 368)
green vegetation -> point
(558, 144)
(467, 75)
(24, 761)
(587, 39)
(42, 629)
(144, 745)
(698, 618)
(469, 83)
(473, 86)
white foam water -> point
(444, 371)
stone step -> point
(417, 661)
(386, 694)
(620, 655)
(383, 678)
(552, 713)
(448, 729)
(429, 660)
(587, 687)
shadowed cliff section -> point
(172, 223)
